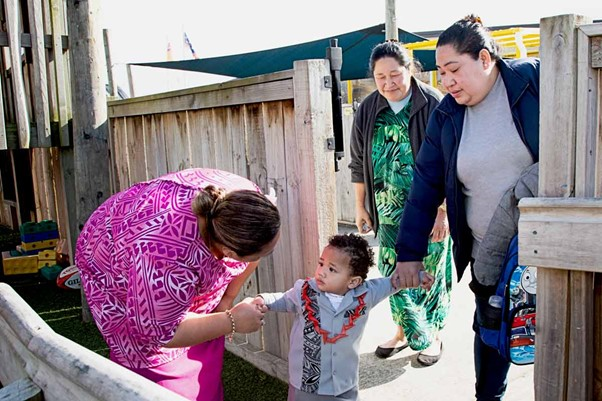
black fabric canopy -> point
(356, 47)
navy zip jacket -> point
(435, 176)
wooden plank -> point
(3, 136)
(256, 159)
(223, 140)
(11, 8)
(60, 70)
(34, 350)
(119, 154)
(597, 365)
(177, 145)
(154, 140)
(202, 144)
(561, 233)
(235, 83)
(40, 99)
(273, 128)
(581, 336)
(58, 182)
(557, 92)
(26, 40)
(136, 149)
(313, 125)
(587, 123)
(594, 29)
(111, 82)
(269, 91)
(596, 52)
(236, 128)
(551, 353)
(22, 390)
(345, 191)
(581, 307)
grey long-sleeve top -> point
(330, 368)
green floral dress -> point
(421, 313)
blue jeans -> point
(491, 369)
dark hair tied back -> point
(469, 36)
(245, 221)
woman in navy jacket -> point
(482, 135)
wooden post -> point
(11, 8)
(130, 80)
(565, 299)
(40, 97)
(391, 32)
(90, 128)
(315, 168)
(111, 81)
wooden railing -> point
(36, 362)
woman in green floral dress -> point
(388, 130)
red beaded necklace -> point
(311, 316)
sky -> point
(140, 30)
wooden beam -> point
(11, 8)
(561, 233)
(391, 32)
(26, 41)
(40, 97)
(60, 73)
(111, 81)
(264, 92)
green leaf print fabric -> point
(421, 313)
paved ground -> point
(451, 379)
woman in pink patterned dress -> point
(161, 264)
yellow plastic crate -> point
(20, 265)
(47, 254)
(32, 246)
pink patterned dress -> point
(144, 266)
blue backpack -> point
(513, 334)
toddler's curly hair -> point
(359, 251)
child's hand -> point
(260, 303)
(426, 279)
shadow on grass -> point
(61, 310)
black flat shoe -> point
(385, 353)
(429, 360)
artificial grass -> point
(61, 309)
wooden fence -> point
(272, 129)
(560, 231)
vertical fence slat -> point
(255, 152)
(236, 127)
(154, 143)
(136, 149)
(277, 176)
(40, 98)
(11, 8)
(119, 153)
(202, 145)
(222, 138)
(60, 75)
(176, 141)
